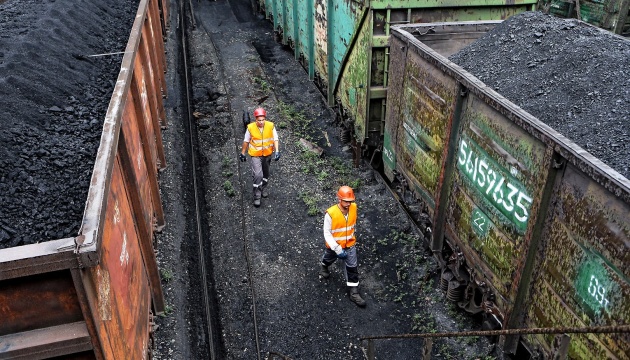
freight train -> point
(529, 229)
(94, 295)
(343, 47)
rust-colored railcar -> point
(530, 229)
(93, 296)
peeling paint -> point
(104, 297)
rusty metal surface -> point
(611, 15)
(36, 258)
(48, 342)
(321, 38)
(353, 84)
(123, 296)
(22, 299)
(621, 329)
(109, 278)
(500, 173)
(584, 277)
(537, 221)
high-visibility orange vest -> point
(342, 229)
(261, 143)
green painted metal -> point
(425, 4)
(611, 15)
(585, 273)
(344, 19)
(499, 172)
(352, 72)
(546, 232)
(288, 22)
(353, 80)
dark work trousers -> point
(260, 173)
(351, 272)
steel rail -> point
(242, 203)
(191, 144)
(526, 331)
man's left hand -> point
(277, 156)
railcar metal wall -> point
(92, 296)
(612, 15)
(343, 44)
(539, 229)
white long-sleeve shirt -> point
(328, 236)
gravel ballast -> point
(53, 99)
(572, 76)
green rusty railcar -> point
(530, 230)
(343, 45)
(612, 15)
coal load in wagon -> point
(573, 77)
(53, 100)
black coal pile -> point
(53, 100)
(573, 77)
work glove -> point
(343, 254)
(242, 157)
(277, 156)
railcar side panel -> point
(524, 211)
(342, 30)
(353, 83)
(584, 274)
(321, 40)
(122, 307)
(426, 111)
(611, 15)
(500, 170)
(343, 21)
(289, 23)
(305, 47)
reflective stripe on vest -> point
(343, 230)
(261, 143)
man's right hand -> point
(242, 157)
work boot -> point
(324, 272)
(265, 193)
(256, 202)
(355, 297)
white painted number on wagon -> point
(503, 192)
(598, 292)
(480, 222)
(116, 213)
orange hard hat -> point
(260, 112)
(345, 193)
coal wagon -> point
(530, 230)
(344, 47)
(93, 296)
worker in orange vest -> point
(261, 140)
(339, 227)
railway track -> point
(215, 351)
